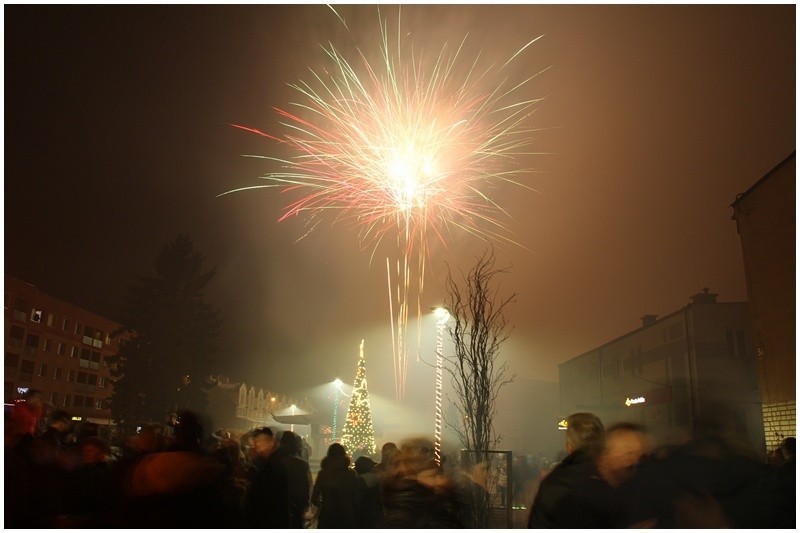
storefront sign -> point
(633, 401)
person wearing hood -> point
(336, 491)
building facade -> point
(765, 219)
(59, 349)
(693, 367)
(239, 407)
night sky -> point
(118, 138)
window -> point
(50, 319)
(70, 376)
(81, 378)
(65, 324)
(737, 347)
(36, 316)
(57, 373)
(85, 358)
(94, 334)
(67, 400)
(78, 328)
(54, 398)
(46, 345)
(42, 371)
(12, 360)
(91, 383)
(73, 351)
(61, 349)
(31, 344)
(15, 336)
(98, 405)
(26, 371)
(94, 363)
(88, 401)
(101, 382)
(741, 347)
(78, 401)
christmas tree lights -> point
(358, 436)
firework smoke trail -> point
(406, 148)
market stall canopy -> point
(294, 415)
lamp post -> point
(442, 316)
(337, 386)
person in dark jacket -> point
(555, 499)
(370, 506)
(336, 491)
(416, 494)
(298, 474)
(267, 497)
(183, 488)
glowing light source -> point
(442, 316)
(358, 436)
(337, 387)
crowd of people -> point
(613, 478)
(179, 476)
(63, 477)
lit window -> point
(36, 316)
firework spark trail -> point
(398, 149)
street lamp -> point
(442, 316)
(337, 387)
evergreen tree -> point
(358, 436)
(167, 340)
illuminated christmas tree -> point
(358, 436)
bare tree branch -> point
(479, 329)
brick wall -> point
(780, 421)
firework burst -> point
(403, 149)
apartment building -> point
(692, 367)
(59, 349)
